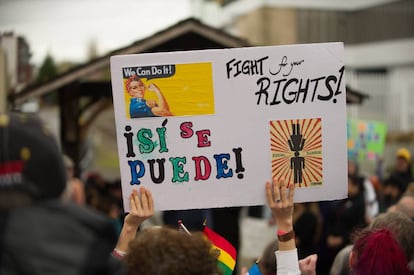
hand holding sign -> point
(141, 208)
(240, 116)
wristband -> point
(118, 253)
(282, 236)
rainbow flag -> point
(227, 253)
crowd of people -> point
(54, 223)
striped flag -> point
(226, 252)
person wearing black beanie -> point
(39, 232)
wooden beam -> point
(69, 123)
(138, 47)
(400, 137)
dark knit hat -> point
(30, 159)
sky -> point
(65, 28)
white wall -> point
(389, 53)
(9, 45)
(213, 14)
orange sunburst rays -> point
(306, 132)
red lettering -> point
(186, 129)
(203, 138)
(207, 168)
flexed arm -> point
(162, 109)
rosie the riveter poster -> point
(204, 129)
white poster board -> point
(229, 120)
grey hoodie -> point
(52, 237)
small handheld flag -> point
(226, 252)
(181, 226)
(254, 270)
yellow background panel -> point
(188, 92)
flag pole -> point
(182, 226)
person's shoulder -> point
(63, 235)
(59, 213)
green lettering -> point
(179, 175)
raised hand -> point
(142, 207)
(307, 265)
(280, 201)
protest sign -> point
(366, 140)
(204, 129)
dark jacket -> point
(56, 238)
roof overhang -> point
(218, 37)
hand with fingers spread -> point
(142, 208)
(280, 201)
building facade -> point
(17, 58)
(378, 36)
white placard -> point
(209, 127)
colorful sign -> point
(296, 147)
(366, 139)
(204, 129)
